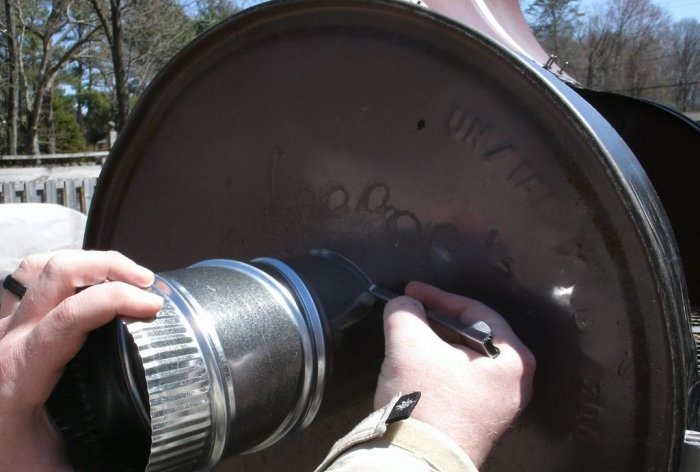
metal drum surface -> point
(421, 150)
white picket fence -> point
(68, 185)
(73, 193)
(97, 156)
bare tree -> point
(644, 47)
(109, 13)
(154, 35)
(686, 62)
(554, 22)
(142, 35)
(211, 12)
(619, 42)
(12, 62)
(54, 45)
(66, 50)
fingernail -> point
(146, 274)
(406, 301)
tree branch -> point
(103, 21)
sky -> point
(678, 9)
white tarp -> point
(31, 228)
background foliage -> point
(625, 46)
(72, 69)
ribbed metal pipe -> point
(228, 364)
(185, 392)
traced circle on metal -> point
(421, 150)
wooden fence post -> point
(9, 193)
(50, 191)
(87, 193)
(70, 195)
(31, 192)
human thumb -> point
(406, 325)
